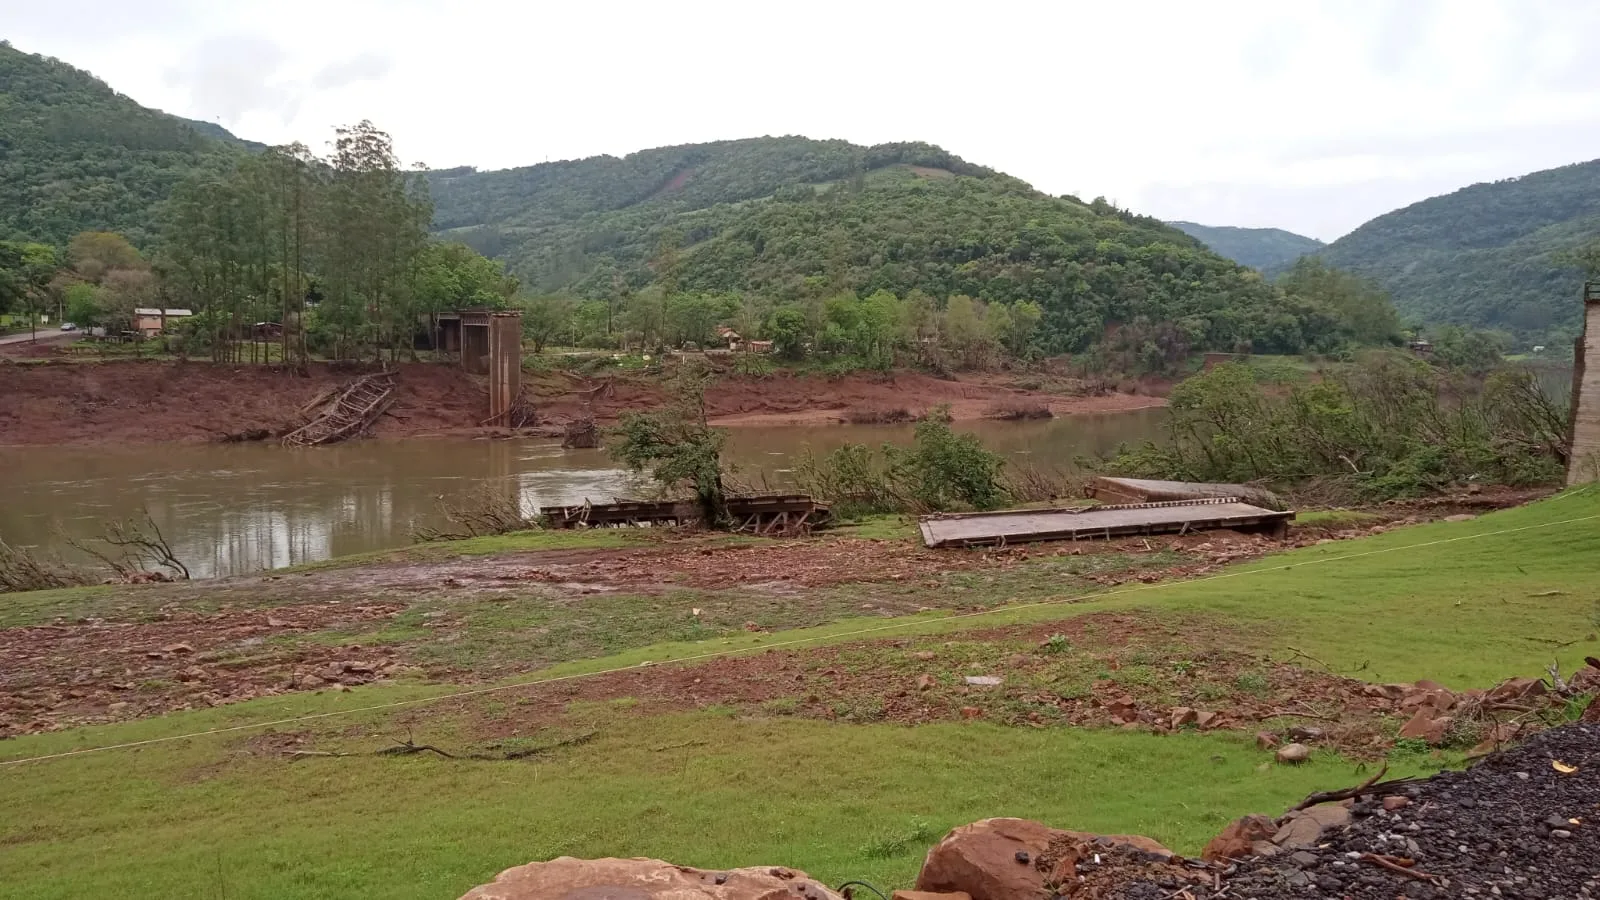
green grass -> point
(1465, 603)
(880, 528)
(1335, 518)
(837, 801)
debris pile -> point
(1524, 823)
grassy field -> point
(1465, 603)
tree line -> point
(333, 255)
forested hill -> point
(1489, 255)
(76, 156)
(791, 218)
(1267, 249)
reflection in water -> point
(238, 508)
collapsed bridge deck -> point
(1103, 522)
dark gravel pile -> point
(1512, 827)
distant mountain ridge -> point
(775, 220)
(791, 218)
(75, 155)
(1491, 255)
(1267, 249)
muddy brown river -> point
(229, 509)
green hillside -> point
(75, 155)
(1258, 248)
(1489, 255)
(791, 218)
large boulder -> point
(567, 878)
(997, 859)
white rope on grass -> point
(700, 657)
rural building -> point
(149, 322)
(1583, 465)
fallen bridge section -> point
(1103, 522)
(346, 413)
(1112, 489)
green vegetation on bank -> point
(1385, 425)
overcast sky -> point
(1311, 116)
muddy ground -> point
(150, 401)
(427, 614)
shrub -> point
(942, 470)
(1387, 424)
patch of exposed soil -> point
(150, 401)
(788, 399)
(1100, 670)
(155, 401)
(58, 676)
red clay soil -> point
(132, 401)
(788, 399)
(921, 681)
(154, 401)
(59, 676)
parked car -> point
(68, 326)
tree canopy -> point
(1258, 248)
(802, 223)
(77, 156)
(1499, 255)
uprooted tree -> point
(676, 445)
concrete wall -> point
(505, 364)
(1584, 464)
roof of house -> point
(158, 312)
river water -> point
(235, 508)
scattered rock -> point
(1306, 734)
(970, 712)
(1266, 740)
(1183, 715)
(1396, 802)
(1514, 690)
(1238, 839)
(177, 648)
(926, 682)
(985, 680)
(981, 859)
(1424, 726)
(1293, 754)
(1206, 721)
(1304, 828)
(646, 879)
(1460, 517)
(929, 895)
